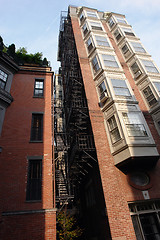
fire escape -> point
(74, 147)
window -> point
(89, 44)
(3, 79)
(157, 84)
(111, 22)
(38, 88)
(59, 80)
(135, 69)
(109, 61)
(113, 129)
(81, 17)
(121, 20)
(85, 29)
(91, 14)
(95, 64)
(102, 91)
(102, 41)
(138, 47)
(134, 124)
(146, 220)
(128, 31)
(149, 96)
(37, 127)
(34, 180)
(126, 50)
(117, 35)
(96, 26)
(120, 87)
(150, 67)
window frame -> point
(91, 12)
(95, 70)
(91, 45)
(111, 60)
(34, 183)
(129, 33)
(86, 29)
(117, 34)
(149, 96)
(138, 72)
(38, 88)
(3, 79)
(111, 23)
(134, 47)
(96, 27)
(130, 126)
(103, 37)
(36, 131)
(144, 209)
(102, 91)
(129, 96)
(113, 129)
(120, 17)
(150, 66)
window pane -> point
(138, 47)
(128, 31)
(89, 44)
(150, 226)
(34, 180)
(134, 125)
(109, 61)
(37, 127)
(157, 84)
(121, 20)
(137, 228)
(110, 22)
(3, 79)
(150, 67)
(91, 14)
(102, 87)
(149, 96)
(96, 26)
(95, 64)
(120, 87)
(38, 89)
(102, 41)
(113, 128)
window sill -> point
(33, 201)
(38, 96)
(36, 141)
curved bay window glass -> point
(138, 47)
(134, 125)
(96, 26)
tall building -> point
(27, 207)
(111, 116)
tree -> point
(67, 228)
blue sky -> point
(35, 24)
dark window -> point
(3, 79)
(38, 88)
(34, 180)
(85, 29)
(117, 35)
(136, 70)
(111, 22)
(89, 44)
(149, 96)
(95, 64)
(113, 129)
(145, 218)
(37, 127)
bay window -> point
(120, 88)
(113, 129)
(109, 61)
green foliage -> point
(67, 228)
(21, 56)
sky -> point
(34, 24)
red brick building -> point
(26, 157)
(112, 123)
